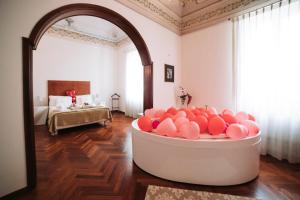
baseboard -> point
(15, 194)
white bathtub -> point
(217, 162)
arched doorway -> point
(31, 43)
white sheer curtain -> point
(267, 66)
(134, 84)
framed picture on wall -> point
(169, 73)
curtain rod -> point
(263, 8)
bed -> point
(63, 115)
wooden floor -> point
(95, 162)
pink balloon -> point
(230, 119)
(237, 131)
(252, 127)
(212, 110)
(227, 112)
(180, 114)
(179, 121)
(241, 116)
(159, 113)
(150, 112)
(167, 127)
(251, 117)
(189, 130)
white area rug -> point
(166, 193)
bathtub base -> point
(218, 162)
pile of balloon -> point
(197, 123)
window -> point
(134, 84)
(267, 57)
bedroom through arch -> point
(83, 55)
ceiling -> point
(92, 26)
(185, 16)
(179, 16)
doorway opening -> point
(30, 44)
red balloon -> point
(196, 112)
(191, 116)
(202, 122)
(187, 111)
(216, 125)
(204, 114)
(210, 116)
(172, 111)
(155, 123)
(165, 115)
(145, 124)
(230, 119)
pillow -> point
(82, 99)
(65, 101)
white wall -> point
(207, 66)
(68, 59)
(17, 19)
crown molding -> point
(217, 13)
(67, 34)
(156, 11)
(213, 13)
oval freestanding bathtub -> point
(218, 162)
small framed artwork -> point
(169, 73)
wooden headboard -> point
(58, 88)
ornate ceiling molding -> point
(208, 16)
(199, 13)
(156, 11)
(67, 34)
(185, 2)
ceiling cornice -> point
(156, 11)
(213, 13)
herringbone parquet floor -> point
(94, 162)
